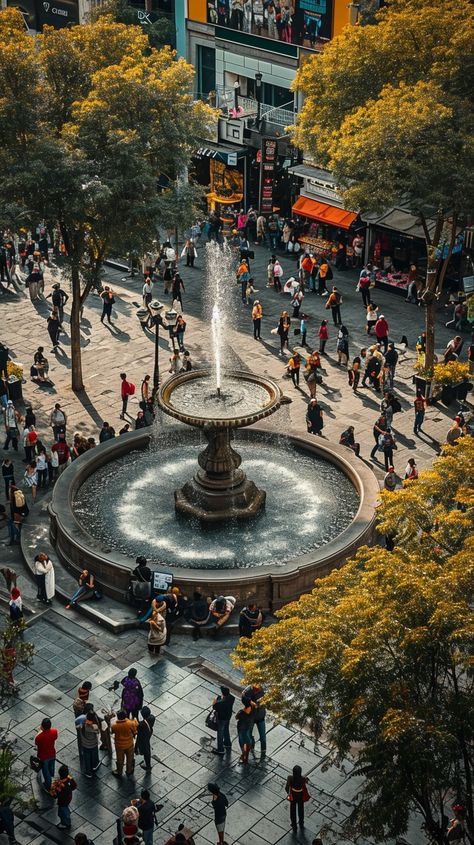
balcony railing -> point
(224, 99)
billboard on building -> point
(305, 23)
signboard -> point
(226, 183)
(162, 581)
(57, 14)
(267, 174)
(307, 23)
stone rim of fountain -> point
(199, 421)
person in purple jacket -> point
(132, 694)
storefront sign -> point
(57, 14)
(267, 175)
(227, 184)
(317, 188)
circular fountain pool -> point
(309, 502)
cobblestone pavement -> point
(69, 650)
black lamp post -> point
(236, 95)
(258, 97)
(155, 308)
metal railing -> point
(224, 99)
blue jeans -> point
(47, 768)
(4, 399)
(262, 734)
(148, 836)
(223, 735)
(79, 592)
(419, 419)
(64, 814)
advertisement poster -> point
(306, 23)
(267, 175)
(226, 183)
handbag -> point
(35, 763)
(306, 795)
(211, 720)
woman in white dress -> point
(49, 580)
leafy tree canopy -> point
(379, 656)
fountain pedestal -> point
(219, 490)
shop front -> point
(327, 228)
(224, 172)
(396, 247)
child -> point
(62, 789)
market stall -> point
(328, 228)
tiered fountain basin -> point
(124, 499)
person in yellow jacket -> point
(124, 731)
(257, 314)
(294, 365)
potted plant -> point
(453, 378)
(14, 380)
(423, 378)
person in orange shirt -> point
(257, 314)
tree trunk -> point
(76, 362)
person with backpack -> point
(334, 303)
(62, 790)
(127, 388)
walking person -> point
(147, 291)
(342, 346)
(391, 360)
(58, 421)
(59, 298)
(179, 331)
(219, 805)
(323, 335)
(45, 742)
(54, 327)
(223, 706)
(145, 391)
(364, 286)
(257, 314)
(334, 303)
(12, 418)
(372, 317)
(42, 468)
(189, 250)
(108, 300)
(303, 329)
(144, 734)
(243, 275)
(420, 405)
(62, 790)
(8, 475)
(283, 329)
(387, 444)
(296, 301)
(297, 792)
(294, 366)
(381, 332)
(314, 417)
(127, 389)
(124, 732)
(277, 274)
(177, 285)
(378, 429)
(323, 274)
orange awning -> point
(325, 213)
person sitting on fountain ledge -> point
(221, 609)
(250, 619)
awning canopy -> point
(312, 173)
(228, 155)
(339, 217)
(400, 220)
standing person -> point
(342, 346)
(12, 418)
(257, 314)
(322, 275)
(283, 330)
(420, 405)
(59, 298)
(189, 250)
(296, 301)
(255, 692)
(147, 291)
(277, 274)
(108, 300)
(219, 804)
(261, 224)
(270, 276)
(243, 275)
(107, 432)
(364, 286)
(89, 734)
(386, 407)
(62, 790)
(334, 303)
(42, 468)
(49, 581)
(63, 452)
(381, 332)
(223, 705)
(157, 632)
(42, 562)
(34, 281)
(54, 327)
(297, 792)
(323, 335)
(354, 373)
(127, 388)
(124, 732)
(303, 330)
(146, 815)
(58, 421)
(294, 366)
(372, 317)
(378, 429)
(144, 734)
(387, 442)
(8, 475)
(45, 742)
(31, 479)
(177, 285)
(391, 360)
(132, 694)
(244, 728)
(145, 391)
(180, 330)
(314, 417)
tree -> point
(95, 116)
(392, 116)
(160, 29)
(379, 655)
(13, 652)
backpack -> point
(20, 500)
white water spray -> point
(216, 344)
(219, 282)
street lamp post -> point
(258, 97)
(236, 95)
(156, 307)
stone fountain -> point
(220, 489)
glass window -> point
(206, 68)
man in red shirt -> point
(63, 451)
(127, 389)
(46, 751)
(381, 331)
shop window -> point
(206, 68)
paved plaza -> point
(180, 685)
